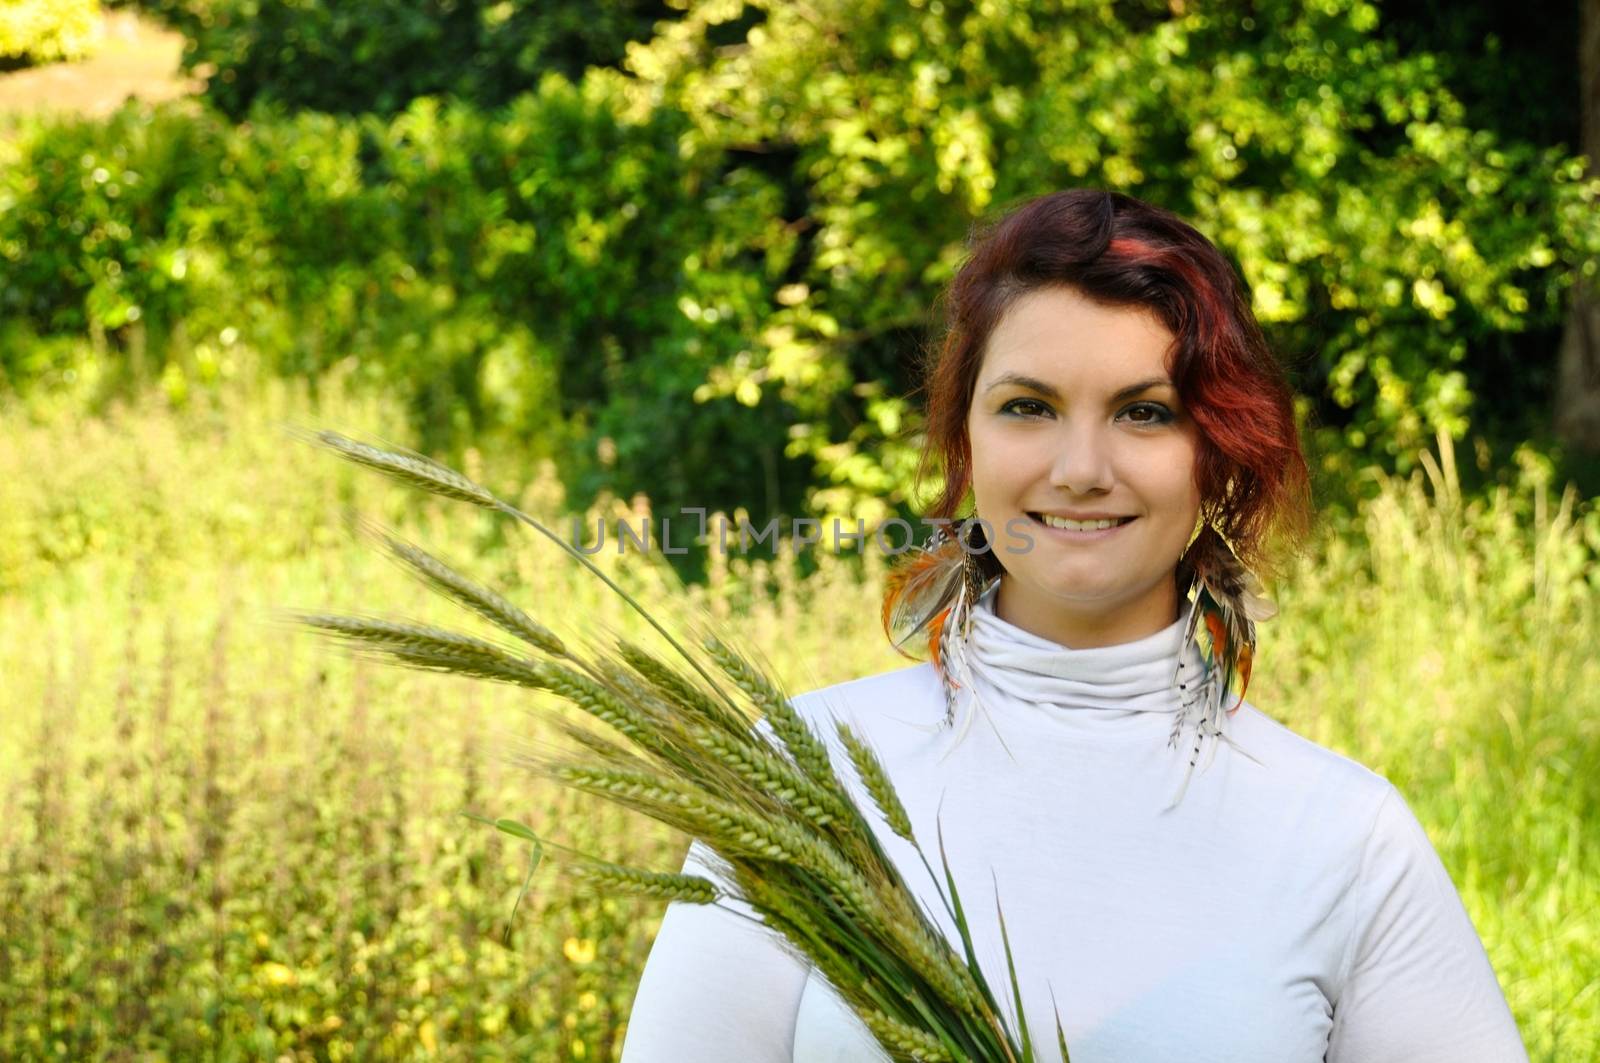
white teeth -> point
(1078, 525)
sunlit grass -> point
(1454, 646)
(219, 838)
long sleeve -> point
(1420, 988)
(717, 988)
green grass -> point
(220, 839)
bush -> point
(522, 272)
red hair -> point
(1250, 472)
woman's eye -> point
(1149, 413)
(1025, 407)
(1144, 413)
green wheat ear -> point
(876, 779)
(417, 470)
(907, 1039)
(472, 595)
(410, 468)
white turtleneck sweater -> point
(1289, 909)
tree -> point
(1392, 245)
(1578, 393)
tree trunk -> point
(1577, 406)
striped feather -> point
(1227, 603)
(920, 592)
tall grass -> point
(219, 839)
(1454, 645)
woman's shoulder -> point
(1282, 755)
(913, 694)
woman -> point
(1105, 396)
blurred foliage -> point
(710, 275)
(1514, 75)
(354, 56)
(43, 31)
(524, 271)
(220, 839)
(1383, 238)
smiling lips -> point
(1091, 525)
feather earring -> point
(936, 591)
(1226, 604)
(921, 591)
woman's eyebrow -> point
(1022, 380)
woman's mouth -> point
(1081, 529)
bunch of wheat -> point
(715, 750)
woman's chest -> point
(1209, 934)
(1226, 1005)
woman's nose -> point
(1083, 463)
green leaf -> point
(1011, 968)
(508, 826)
(1061, 1035)
(525, 832)
(960, 916)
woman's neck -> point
(1086, 625)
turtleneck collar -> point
(1130, 677)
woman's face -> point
(1074, 416)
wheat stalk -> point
(602, 877)
(415, 470)
(479, 599)
(873, 776)
(423, 646)
(741, 771)
(914, 1043)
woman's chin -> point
(1079, 592)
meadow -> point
(222, 839)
